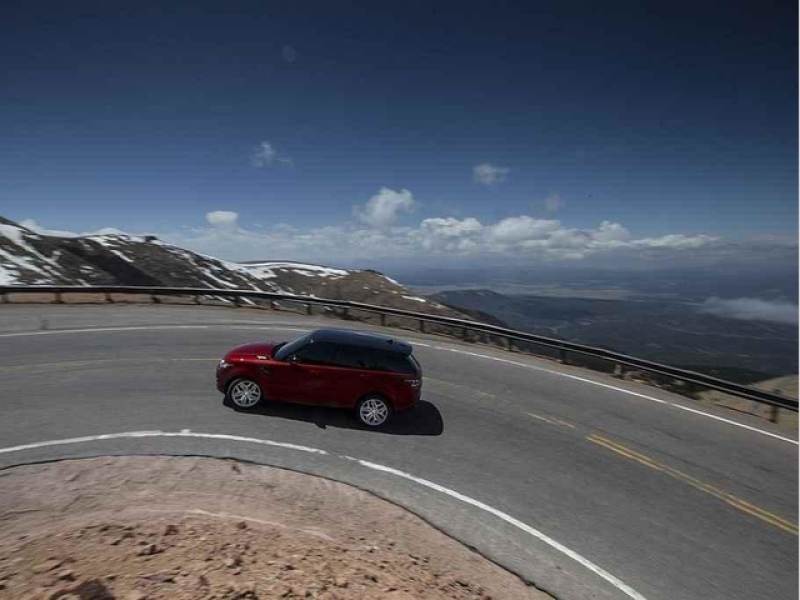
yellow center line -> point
(726, 497)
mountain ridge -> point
(31, 258)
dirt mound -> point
(146, 528)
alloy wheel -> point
(245, 393)
(373, 412)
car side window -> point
(287, 350)
(354, 357)
(392, 361)
(351, 357)
(317, 353)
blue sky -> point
(662, 119)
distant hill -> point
(29, 258)
(673, 332)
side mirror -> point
(293, 360)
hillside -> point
(29, 258)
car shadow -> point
(423, 419)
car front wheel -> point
(244, 393)
(373, 411)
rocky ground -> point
(138, 528)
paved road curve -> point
(587, 486)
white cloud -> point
(382, 209)
(517, 229)
(553, 203)
(488, 174)
(447, 234)
(265, 155)
(675, 241)
(225, 219)
(611, 232)
(752, 309)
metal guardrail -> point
(562, 346)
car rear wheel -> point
(244, 393)
(373, 411)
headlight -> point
(223, 365)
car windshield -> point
(287, 350)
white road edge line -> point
(619, 389)
(236, 325)
(145, 434)
(614, 581)
(425, 345)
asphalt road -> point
(587, 486)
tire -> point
(373, 411)
(244, 394)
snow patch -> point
(8, 276)
(299, 268)
(13, 233)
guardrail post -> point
(422, 325)
(562, 356)
(464, 333)
(5, 298)
(155, 299)
(383, 319)
(618, 371)
(237, 302)
(308, 309)
(345, 312)
(108, 297)
(773, 413)
(59, 299)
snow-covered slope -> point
(29, 258)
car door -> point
(278, 379)
(353, 378)
(313, 372)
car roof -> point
(363, 339)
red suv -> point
(375, 375)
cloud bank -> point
(752, 309)
(378, 234)
(375, 233)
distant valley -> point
(680, 333)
